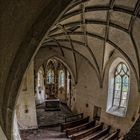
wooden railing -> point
(73, 117)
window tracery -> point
(118, 93)
(50, 76)
(121, 86)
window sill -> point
(120, 112)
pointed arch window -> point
(121, 86)
(118, 95)
(50, 76)
(61, 78)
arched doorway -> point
(37, 105)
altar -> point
(52, 104)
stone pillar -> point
(26, 108)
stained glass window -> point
(121, 86)
(50, 76)
(61, 78)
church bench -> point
(67, 125)
(99, 134)
(103, 137)
(87, 132)
(113, 136)
(76, 129)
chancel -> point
(56, 84)
(70, 69)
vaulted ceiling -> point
(94, 29)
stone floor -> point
(49, 125)
(44, 134)
(52, 118)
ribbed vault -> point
(94, 29)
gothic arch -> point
(120, 111)
(23, 55)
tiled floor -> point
(49, 125)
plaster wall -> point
(25, 108)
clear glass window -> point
(61, 78)
(121, 86)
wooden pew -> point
(98, 135)
(65, 126)
(76, 129)
(87, 132)
(114, 135)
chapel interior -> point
(70, 70)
